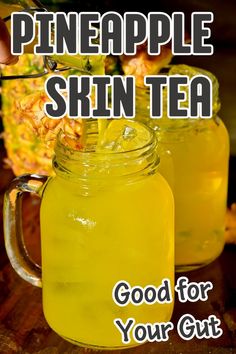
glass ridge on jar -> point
(194, 160)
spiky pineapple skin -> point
(29, 136)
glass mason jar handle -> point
(12, 216)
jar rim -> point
(87, 166)
(63, 146)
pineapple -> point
(142, 63)
(29, 135)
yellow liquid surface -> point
(195, 164)
(90, 242)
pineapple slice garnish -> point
(32, 107)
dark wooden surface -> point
(23, 328)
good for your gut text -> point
(187, 326)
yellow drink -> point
(199, 162)
(194, 160)
(96, 232)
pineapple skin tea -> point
(194, 156)
(101, 222)
(98, 230)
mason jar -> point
(106, 216)
(194, 160)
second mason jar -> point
(194, 160)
